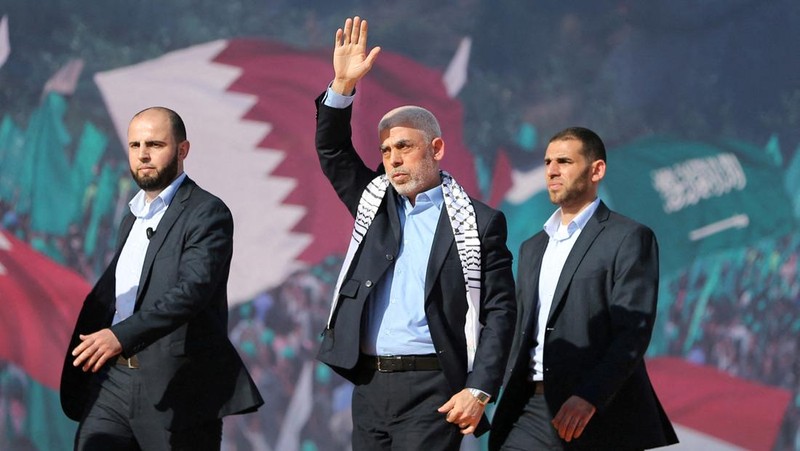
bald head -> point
(176, 123)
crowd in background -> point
(737, 311)
(628, 69)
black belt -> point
(395, 363)
(132, 362)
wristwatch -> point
(483, 398)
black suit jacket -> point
(445, 300)
(598, 330)
(179, 327)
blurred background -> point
(698, 103)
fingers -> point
(337, 41)
(580, 425)
(372, 55)
(446, 407)
(362, 31)
(572, 418)
(348, 30)
(355, 32)
(570, 429)
(464, 411)
(95, 350)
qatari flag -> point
(714, 411)
(249, 110)
(39, 302)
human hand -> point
(96, 349)
(350, 59)
(572, 417)
(464, 410)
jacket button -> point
(389, 257)
(368, 283)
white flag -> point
(455, 76)
(5, 44)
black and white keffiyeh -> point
(465, 230)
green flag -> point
(699, 197)
(11, 158)
(791, 182)
(102, 206)
(46, 174)
(91, 146)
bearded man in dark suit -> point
(588, 285)
(150, 365)
(424, 307)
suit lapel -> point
(443, 241)
(174, 211)
(124, 230)
(531, 287)
(394, 217)
(593, 227)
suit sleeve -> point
(206, 250)
(632, 310)
(498, 309)
(339, 160)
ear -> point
(598, 170)
(183, 150)
(438, 149)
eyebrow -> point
(400, 142)
(149, 142)
(560, 159)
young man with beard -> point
(150, 365)
(424, 308)
(588, 285)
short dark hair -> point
(593, 147)
(175, 122)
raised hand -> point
(350, 59)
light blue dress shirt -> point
(395, 321)
(131, 260)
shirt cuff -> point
(335, 100)
(482, 396)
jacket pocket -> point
(349, 289)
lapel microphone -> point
(150, 232)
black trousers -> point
(533, 429)
(122, 419)
(398, 411)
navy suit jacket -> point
(445, 290)
(179, 326)
(598, 330)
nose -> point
(144, 153)
(551, 170)
(395, 158)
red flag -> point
(735, 411)
(39, 302)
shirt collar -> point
(434, 196)
(141, 209)
(551, 227)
